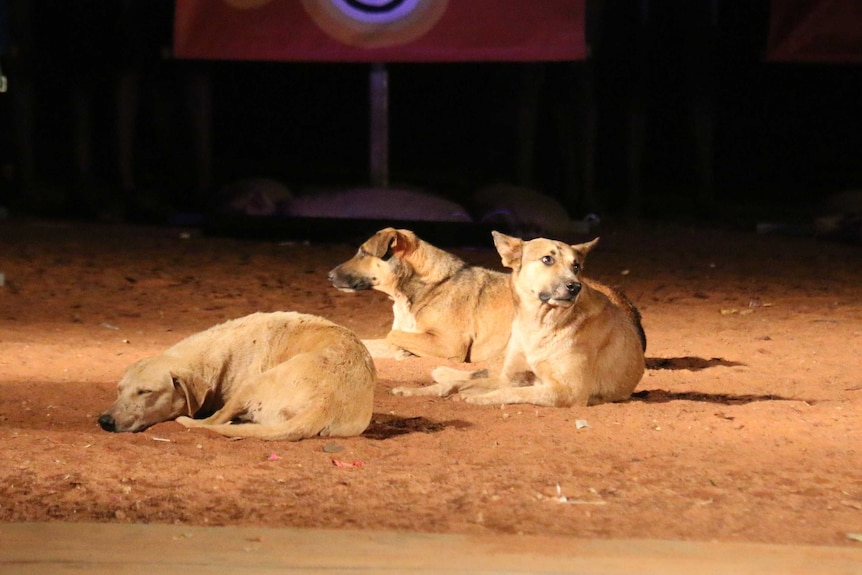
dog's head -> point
(378, 264)
(543, 270)
(153, 390)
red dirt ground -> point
(746, 427)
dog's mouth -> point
(352, 287)
(562, 296)
(108, 423)
(557, 302)
(349, 284)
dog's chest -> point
(403, 318)
(541, 338)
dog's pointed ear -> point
(380, 243)
(585, 248)
(193, 387)
(509, 248)
(389, 241)
(405, 242)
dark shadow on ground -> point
(664, 396)
(384, 426)
(689, 363)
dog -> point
(442, 307)
(573, 341)
(287, 375)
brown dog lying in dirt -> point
(442, 306)
(286, 375)
(574, 341)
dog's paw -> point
(402, 391)
(185, 421)
(403, 354)
(378, 348)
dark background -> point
(691, 121)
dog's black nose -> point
(107, 422)
(574, 288)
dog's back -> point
(239, 348)
(619, 299)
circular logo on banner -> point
(375, 23)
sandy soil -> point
(746, 427)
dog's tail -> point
(445, 374)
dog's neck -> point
(430, 267)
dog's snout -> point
(347, 281)
(574, 288)
(106, 422)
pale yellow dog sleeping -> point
(285, 375)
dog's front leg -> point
(217, 418)
(434, 390)
(429, 344)
(231, 410)
(449, 381)
(379, 349)
(534, 394)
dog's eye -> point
(144, 391)
(576, 267)
(548, 260)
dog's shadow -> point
(665, 396)
(697, 364)
(384, 426)
(689, 363)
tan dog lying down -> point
(442, 306)
(288, 375)
(574, 341)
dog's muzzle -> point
(106, 422)
(564, 294)
(346, 282)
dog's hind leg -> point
(307, 424)
(445, 374)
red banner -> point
(815, 31)
(380, 30)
